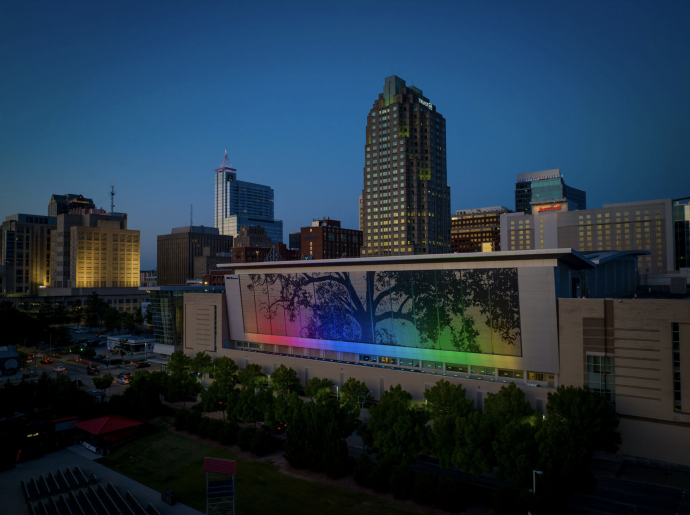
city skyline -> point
(96, 97)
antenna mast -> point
(112, 199)
(191, 215)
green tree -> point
(148, 317)
(588, 414)
(284, 381)
(447, 400)
(112, 320)
(251, 375)
(128, 323)
(396, 430)
(95, 310)
(201, 364)
(77, 312)
(253, 405)
(178, 363)
(103, 382)
(182, 387)
(225, 369)
(318, 387)
(516, 452)
(473, 451)
(60, 314)
(507, 405)
(349, 395)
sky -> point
(147, 96)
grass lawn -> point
(168, 461)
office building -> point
(629, 226)
(208, 261)
(405, 205)
(276, 252)
(547, 186)
(252, 236)
(177, 250)
(477, 230)
(681, 228)
(64, 204)
(94, 249)
(25, 253)
(148, 277)
(295, 240)
(239, 203)
(325, 239)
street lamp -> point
(534, 480)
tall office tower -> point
(177, 250)
(94, 249)
(61, 204)
(241, 203)
(25, 253)
(544, 188)
(405, 206)
(477, 230)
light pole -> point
(534, 480)
(50, 340)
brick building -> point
(471, 228)
(325, 239)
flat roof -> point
(571, 257)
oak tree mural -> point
(460, 310)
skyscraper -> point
(546, 187)
(240, 203)
(405, 203)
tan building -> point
(205, 323)
(636, 352)
(645, 225)
(104, 256)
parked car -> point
(100, 357)
(143, 364)
(124, 380)
(124, 374)
(92, 371)
(60, 369)
(46, 361)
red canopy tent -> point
(105, 425)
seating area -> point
(72, 492)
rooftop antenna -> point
(112, 199)
(191, 215)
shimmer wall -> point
(456, 310)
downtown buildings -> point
(405, 202)
(239, 203)
(326, 239)
(477, 230)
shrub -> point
(401, 481)
(379, 478)
(228, 433)
(424, 488)
(204, 427)
(261, 443)
(215, 427)
(181, 420)
(194, 419)
(244, 438)
(450, 494)
(363, 469)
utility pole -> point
(112, 199)
(191, 215)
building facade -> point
(279, 252)
(177, 250)
(25, 253)
(295, 240)
(207, 263)
(64, 204)
(645, 226)
(325, 239)
(148, 278)
(635, 352)
(405, 202)
(252, 236)
(471, 229)
(92, 249)
(547, 186)
(239, 203)
(681, 228)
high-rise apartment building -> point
(25, 253)
(545, 187)
(681, 227)
(177, 250)
(405, 202)
(472, 229)
(93, 249)
(325, 239)
(239, 203)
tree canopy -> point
(284, 380)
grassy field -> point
(167, 460)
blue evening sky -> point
(146, 95)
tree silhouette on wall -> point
(461, 310)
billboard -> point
(455, 310)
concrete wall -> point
(205, 323)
